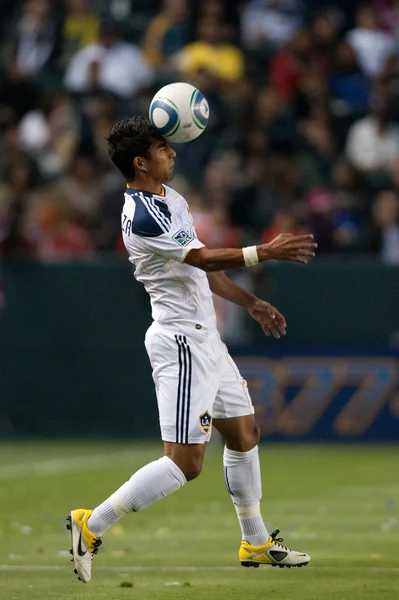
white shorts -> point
(196, 380)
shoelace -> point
(278, 541)
(96, 546)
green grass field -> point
(338, 503)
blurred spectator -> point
(254, 151)
(336, 215)
(218, 10)
(80, 28)
(167, 33)
(315, 136)
(33, 40)
(373, 142)
(58, 222)
(283, 222)
(51, 134)
(387, 15)
(9, 139)
(313, 97)
(107, 233)
(385, 238)
(336, 230)
(82, 191)
(238, 102)
(212, 51)
(268, 108)
(202, 217)
(348, 86)
(112, 65)
(269, 22)
(372, 46)
(271, 118)
(289, 64)
(351, 207)
(60, 236)
(19, 191)
(100, 112)
(319, 204)
(223, 233)
(253, 206)
(217, 183)
(211, 222)
(348, 189)
(31, 44)
(325, 29)
(346, 233)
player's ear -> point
(140, 163)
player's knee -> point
(251, 438)
(247, 440)
(192, 469)
(189, 464)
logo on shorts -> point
(183, 237)
(205, 422)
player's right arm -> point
(161, 234)
(285, 246)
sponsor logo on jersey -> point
(183, 237)
(205, 422)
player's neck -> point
(148, 185)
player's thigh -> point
(233, 409)
(185, 392)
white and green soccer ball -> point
(180, 112)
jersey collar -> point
(163, 192)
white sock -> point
(148, 485)
(243, 482)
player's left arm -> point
(270, 319)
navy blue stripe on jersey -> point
(164, 218)
(152, 212)
(162, 209)
(183, 390)
(156, 214)
(162, 206)
(144, 222)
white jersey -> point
(158, 232)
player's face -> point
(162, 163)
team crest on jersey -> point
(205, 422)
(183, 237)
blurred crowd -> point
(303, 132)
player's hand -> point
(271, 320)
(298, 248)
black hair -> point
(130, 138)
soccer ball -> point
(179, 112)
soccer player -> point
(198, 385)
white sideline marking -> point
(139, 569)
(77, 464)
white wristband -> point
(250, 256)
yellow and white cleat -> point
(272, 553)
(85, 544)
